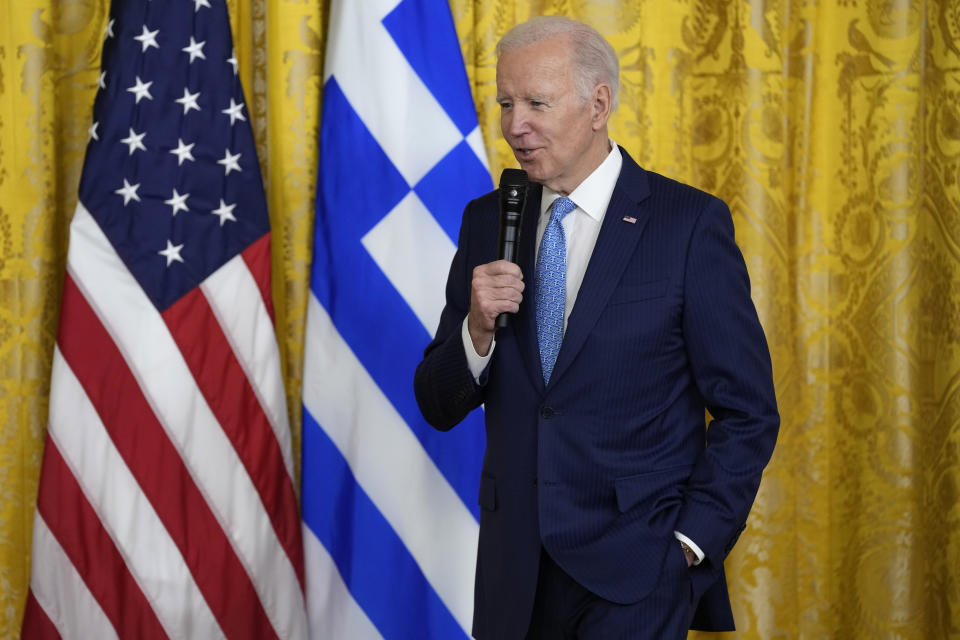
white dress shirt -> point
(580, 228)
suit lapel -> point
(616, 243)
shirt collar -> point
(593, 194)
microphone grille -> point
(513, 177)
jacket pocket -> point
(652, 489)
(488, 493)
(626, 293)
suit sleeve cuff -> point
(475, 361)
(693, 546)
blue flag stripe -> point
(381, 574)
(436, 59)
(386, 337)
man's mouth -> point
(523, 153)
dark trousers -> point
(564, 610)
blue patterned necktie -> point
(551, 283)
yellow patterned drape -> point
(831, 127)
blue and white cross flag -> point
(389, 504)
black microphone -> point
(513, 194)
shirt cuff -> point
(475, 361)
(693, 546)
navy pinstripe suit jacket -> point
(601, 465)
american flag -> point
(166, 505)
(389, 504)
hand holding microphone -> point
(497, 287)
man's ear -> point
(601, 105)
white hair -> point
(595, 62)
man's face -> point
(555, 133)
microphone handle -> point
(509, 253)
(513, 193)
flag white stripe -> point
(237, 303)
(153, 357)
(368, 66)
(475, 140)
(125, 512)
(390, 464)
(61, 592)
(332, 611)
(415, 253)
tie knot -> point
(561, 207)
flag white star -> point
(233, 60)
(183, 152)
(189, 101)
(172, 253)
(200, 3)
(109, 29)
(102, 80)
(128, 191)
(225, 211)
(93, 131)
(234, 112)
(148, 38)
(229, 162)
(195, 49)
(134, 141)
(178, 202)
(141, 90)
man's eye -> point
(505, 105)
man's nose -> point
(518, 122)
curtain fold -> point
(831, 128)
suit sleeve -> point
(730, 363)
(444, 387)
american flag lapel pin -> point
(630, 219)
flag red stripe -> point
(221, 379)
(257, 257)
(75, 525)
(36, 624)
(155, 463)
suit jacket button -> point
(546, 412)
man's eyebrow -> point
(538, 97)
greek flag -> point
(389, 504)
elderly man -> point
(607, 506)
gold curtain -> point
(831, 127)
